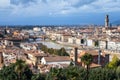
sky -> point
(58, 12)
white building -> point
(36, 29)
(102, 44)
(6, 43)
(72, 40)
(118, 46)
(111, 45)
(89, 42)
(27, 46)
(78, 41)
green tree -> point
(22, 70)
(27, 73)
(38, 77)
(16, 71)
(102, 74)
(8, 73)
(51, 50)
(72, 73)
(62, 52)
(19, 68)
(56, 74)
(69, 73)
(118, 73)
(71, 63)
(44, 48)
(114, 63)
(87, 60)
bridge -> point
(43, 37)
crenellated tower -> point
(107, 21)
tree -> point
(8, 73)
(87, 60)
(38, 77)
(118, 72)
(102, 74)
(71, 63)
(56, 74)
(73, 73)
(20, 67)
(114, 63)
(51, 50)
(27, 73)
(69, 73)
(16, 71)
(62, 52)
(44, 48)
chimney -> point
(76, 55)
(1, 58)
(106, 42)
(107, 57)
(99, 54)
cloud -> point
(79, 3)
(106, 5)
(57, 7)
(48, 7)
(4, 3)
(24, 2)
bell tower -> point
(107, 21)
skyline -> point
(58, 12)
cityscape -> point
(53, 45)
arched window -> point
(82, 41)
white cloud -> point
(4, 3)
(58, 7)
(106, 5)
(50, 7)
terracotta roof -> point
(92, 52)
(57, 58)
(93, 65)
(41, 55)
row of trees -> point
(79, 73)
(60, 52)
(21, 71)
